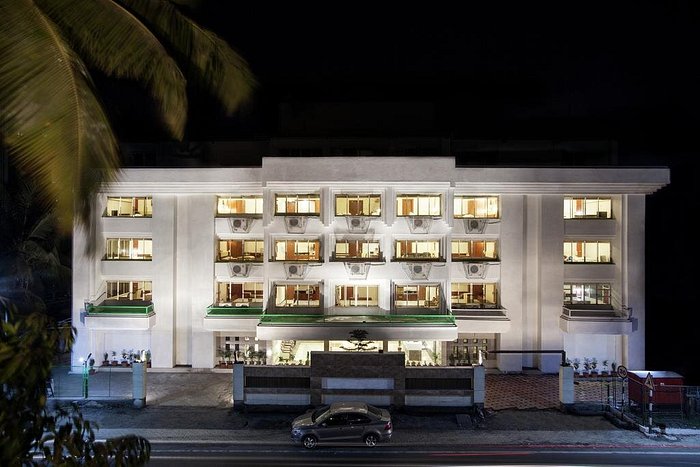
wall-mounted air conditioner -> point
(295, 224)
(295, 270)
(358, 224)
(419, 224)
(417, 270)
(357, 270)
(475, 270)
(240, 224)
(239, 269)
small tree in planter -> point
(605, 367)
(105, 359)
(358, 338)
(594, 365)
(577, 364)
(115, 360)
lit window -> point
(297, 295)
(120, 206)
(356, 295)
(587, 208)
(297, 250)
(468, 295)
(241, 250)
(587, 294)
(239, 206)
(417, 296)
(418, 249)
(246, 294)
(129, 248)
(586, 251)
(479, 207)
(356, 249)
(418, 205)
(474, 250)
(298, 204)
(358, 205)
(129, 290)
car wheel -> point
(371, 440)
(309, 441)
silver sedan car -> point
(342, 422)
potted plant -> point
(594, 365)
(605, 367)
(148, 359)
(105, 359)
(577, 364)
(586, 366)
(613, 367)
(227, 358)
(125, 358)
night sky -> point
(507, 70)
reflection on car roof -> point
(349, 407)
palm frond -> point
(54, 128)
(213, 64)
(112, 39)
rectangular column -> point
(164, 266)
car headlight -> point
(296, 431)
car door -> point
(333, 428)
(357, 424)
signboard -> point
(622, 371)
(649, 382)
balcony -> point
(595, 319)
(482, 320)
(230, 318)
(136, 315)
(380, 325)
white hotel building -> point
(433, 260)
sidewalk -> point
(196, 406)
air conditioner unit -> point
(475, 225)
(417, 270)
(295, 224)
(358, 224)
(357, 270)
(475, 270)
(295, 270)
(239, 269)
(240, 224)
(419, 224)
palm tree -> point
(52, 123)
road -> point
(225, 454)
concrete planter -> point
(139, 382)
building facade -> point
(445, 264)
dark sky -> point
(545, 70)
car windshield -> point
(318, 412)
(374, 410)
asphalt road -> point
(223, 454)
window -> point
(129, 290)
(129, 248)
(587, 294)
(418, 205)
(298, 204)
(418, 249)
(587, 208)
(474, 250)
(417, 296)
(241, 250)
(239, 206)
(356, 249)
(297, 250)
(246, 294)
(118, 206)
(468, 295)
(356, 295)
(480, 207)
(297, 295)
(586, 251)
(358, 205)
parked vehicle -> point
(342, 422)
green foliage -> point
(52, 122)
(358, 338)
(27, 349)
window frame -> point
(460, 200)
(598, 286)
(471, 242)
(357, 197)
(436, 297)
(134, 206)
(438, 258)
(359, 247)
(130, 256)
(297, 242)
(254, 301)
(571, 258)
(257, 257)
(296, 197)
(418, 197)
(119, 284)
(298, 286)
(356, 298)
(222, 200)
(459, 288)
(571, 215)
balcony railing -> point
(121, 307)
(233, 311)
(342, 320)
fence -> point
(103, 382)
(676, 406)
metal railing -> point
(70, 382)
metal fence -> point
(102, 382)
(673, 406)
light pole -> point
(86, 373)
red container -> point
(666, 390)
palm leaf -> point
(213, 64)
(54, 128)
(112, 39)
